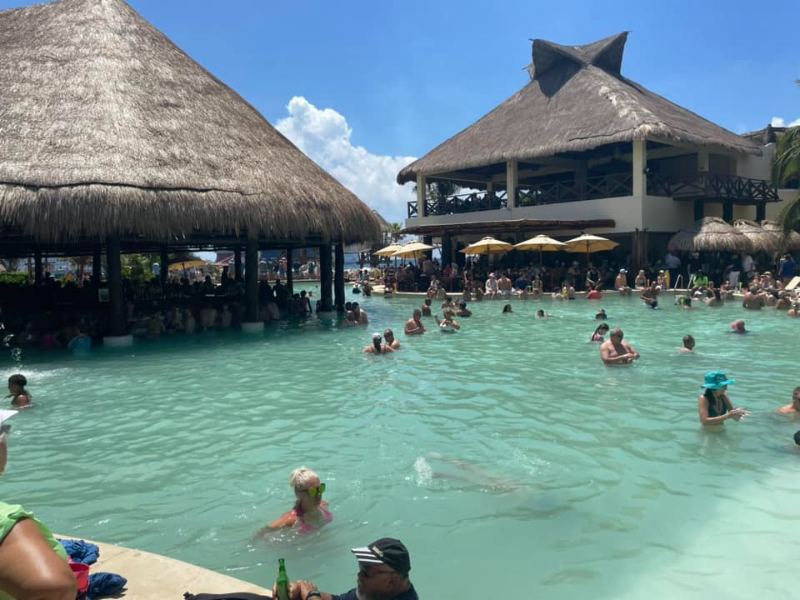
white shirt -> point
(747, 263)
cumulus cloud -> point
(780, 122)
(325, 136)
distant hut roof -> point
(107, 127)
(576, 100)
(763, 240)
(789, 241)
(710, 234)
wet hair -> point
(300, 477)
(388, 332)
(797, 437)
(687, 339)
(18, 379)
(427, 301)
(616, 332)
(507, 308)
(540, 313)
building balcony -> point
(708, 187)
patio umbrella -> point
(588, 243)
(542, 243)
(710, 234)
(415, 250)
(789, 242)
(763, 240)
(487, 245)
(189, 264)
(388, 251)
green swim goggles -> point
(317, 491)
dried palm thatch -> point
(577, 100)
(790, 241)
(110, 128)
(763, 241)
(710, 234)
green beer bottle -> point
(282, 583)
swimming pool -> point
(578, 480)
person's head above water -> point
(307, 488)
(17, 383)
(540, 313)
(507, 308)
(717, 380)
(738, 326)
(601, 314)
(616, 333)
(688, 342)
(797, 437)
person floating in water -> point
(688, 345)
(713, 406)
(20, 397)
(310, 511)
(794, 407)
(738, 326)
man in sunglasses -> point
(383, 569)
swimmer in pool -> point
(688, 345)
(714, 406)
(617, 352)
(794, 407)
(447, 324)
(310, 511)
(377, 347)
(20, 397)
(599, 334)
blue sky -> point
(364, 87)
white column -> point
(639, 165)
(702, 161)
(421, 189)
(512, 180)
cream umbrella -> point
(388, 251)
(542, 243)
(487, 245)
(415, 250)
(588, 243)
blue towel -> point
(105, 584)
(80, 551)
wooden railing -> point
(575, 190)
(713, 186)
(436, 204)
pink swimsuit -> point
(307, 527)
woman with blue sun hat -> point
(713, 405)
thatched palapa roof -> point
(577, 100)
(107, 127)
(710, 234)
(763, 240)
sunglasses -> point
(317, 491)
(368, 572)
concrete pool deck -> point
(156, 577)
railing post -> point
(422, 184)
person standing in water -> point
(713, 406)
(794, 407)
(20, 398)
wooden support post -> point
(338, 277)
(699, 210)
(422, 194)
(727, 211)
(237, 263)
(512, 182)
(97, 266)
(117, 321)
(38, 271)
(289, 271)
(251, 281)
(164, 273)
(639, 166)
(447, 250)
(761, 212)
(325, 278)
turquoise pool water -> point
(578, 480)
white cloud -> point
(780, 122)
(325, 136)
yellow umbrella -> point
(388, 251)
(542, 243)
(189, 264)
(487, 245)
(588, 243)
(416, 250)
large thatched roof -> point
(108, 127)
(577, 100)
(763, 240)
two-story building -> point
(580, 148)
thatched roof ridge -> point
(576, 100)
(106, 126)
(710, 234)
(763, 239)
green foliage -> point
(138, 267)
(786, 168)
(14, 278)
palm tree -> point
(786, 169)
(394, 232)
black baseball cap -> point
(385, 551)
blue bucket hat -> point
(716, 380)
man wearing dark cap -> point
(383, 569)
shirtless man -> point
(463, 311)
(504, 285)
(426, 308)
(649, 295)
(754, 299)
(621, 282)
(794, 407)
(617, 352)
(794, 312)
(388, 337)
(491, 287)
(414, 325)
(360, 314)
(688, 345)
